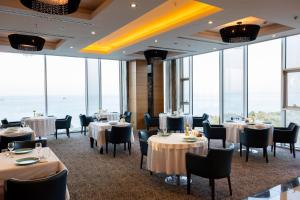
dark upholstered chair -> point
(286, 135)
(216, 165)
(151, 121)
(175, 124)
(29, 144)
(118, 135)
(214, 132)
(143, 138)
(198, 121)
(63, 124)
(255, 138)
(5, 140)
(84, 122)
(50, 188)
(6, 124)
(127, 116)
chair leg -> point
(294, 152)
(141, 165)
(68, 132)
(188, 188)
(92, 142)
(81, 130)
(106, 147)
(85, 130)
(291, 148)
(241, 149)
(129, 147)
(213, 189)
(56, 133)
(266, 154)
(271, 148)
(247, 153)
(151, 173)
(224, 143)
(208, 143)
(114, 150)
(229, 184)
(274, 149)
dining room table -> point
(234, 128)
(166, 154)
(17, 131)
(188, 119)
(48, 165)
(97, 132)
(42, 126)
(109, 116)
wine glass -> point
(11, 147)
(38, 147)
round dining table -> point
(166, 154)
(188, 119)
(42, 126)
(233, 130)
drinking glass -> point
(11, 147)
(38, 147)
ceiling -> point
(67, 35)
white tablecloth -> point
(17, 131)
(188, 119)
(111, 116)
(167, 154)
(97, 131)
(42, 126)
(233, 130)
(8, 168)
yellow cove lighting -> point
(169, 15)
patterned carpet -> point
(95, 177)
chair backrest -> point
(119, 134)
(256, 137)
(143, 138)
(127, 115)
(206, 127)
(220, 162)
(50, 188)
(295, 129)
(147, 119)
(198, 121)
(5, 140)
(4, 121)
(83, 120)
(175, 124)
(29, 144)
(68, 119)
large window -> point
(206, 85)
(110, 80)
(292, 52)
(185, 84)
(66, 87)
(293, 89)
(233, 83)
(264, 81)
(93, 85)
(21, 85)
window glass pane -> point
(186, 108)
(21, 85)
(186, 91)
(110, 85)
(206, 85)
(264, 81)
(293, 89)
(292, 51)
(186, 67)
(233, 83)
(93, 85)
(293, 116)
(66, 87)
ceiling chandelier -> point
(26, 42)
(239, 33)
(53, 7)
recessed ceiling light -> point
(71, 47)
(274, 35)
(210, 22)
(156, 41)
(133, 5)
(93, 33)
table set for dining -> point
(188, 119)
(17, 131)
(41, 125)
(29, 165)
